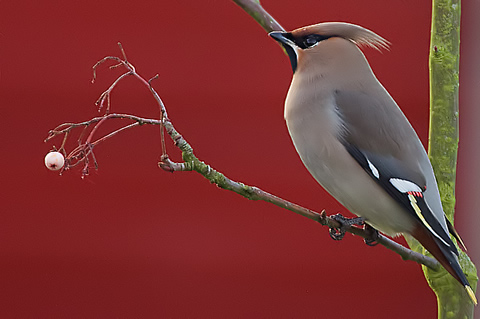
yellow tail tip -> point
(471, 294)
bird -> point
(357, 143)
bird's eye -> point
(310, 41)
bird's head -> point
(326, 38)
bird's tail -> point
(446, 256)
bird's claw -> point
(339, 233)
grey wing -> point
(379, 129)
(378, 126)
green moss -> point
(453, 302)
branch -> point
(256, 11)
(192, 163)
(83, 153)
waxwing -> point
(357, 143)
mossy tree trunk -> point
(453, 301)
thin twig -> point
(163, 116)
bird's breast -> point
(316, 127)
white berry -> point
(54, 161)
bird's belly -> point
(340, 175)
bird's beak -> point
(282, 37)
(285, 39)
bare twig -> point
(85, 148)
(163, 116)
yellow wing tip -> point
(471, 294)
(461, 242)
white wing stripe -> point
(404, 186)
(373, 169)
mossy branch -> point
(83, 154)
(453, 302)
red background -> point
(132, 241)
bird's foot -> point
(339, 233)
(372, 235)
